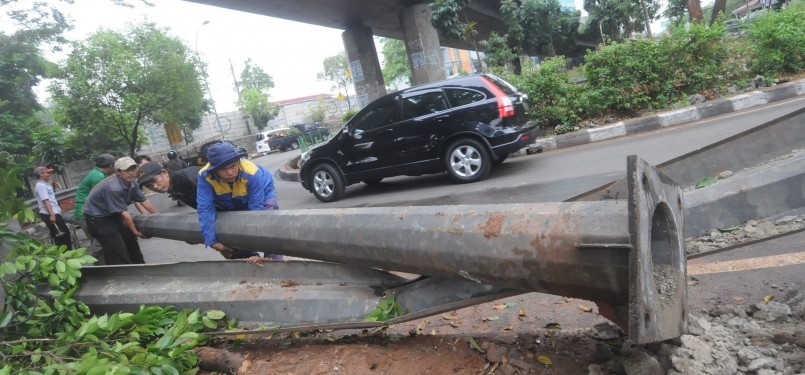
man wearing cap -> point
(107, 216)
(180, 185)
(233, 184)
(104, 166)
(49, 210)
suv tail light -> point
(505, 104)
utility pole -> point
(237, 89)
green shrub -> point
(643, 74)
(695, 57)
(44, 330)
(348, 114)
(778, 41)
(552, 100)
(628, 76)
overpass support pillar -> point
(422, 44)
(363, 64)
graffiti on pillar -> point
(418, 58)
(362, 96)
(357, 71)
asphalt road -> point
(549, 177)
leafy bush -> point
(695, 59)
(349, 114)
(44, 330)
(778, 41)
(645, 74)
(553, 101)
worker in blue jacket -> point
(231, 183)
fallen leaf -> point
(522, 312)
(433, 332)
(692, 282)
(492, 318)
(451, 317)
(454, 324)
(499, 307)
(509, 328)
(585, 308)
(768, 298)
(475, 346)
(553, 326)
(510, 304)
(729, 229)
(240, 337)
(544, 360)
(707, 181)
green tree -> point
(22, 67)
(396, 71)
(49, 146)
(316, 113)
(618, 19)
(445, 18)
(114, 84)
(254, 96)
(336, 70)
(498, 52)
(548, 28)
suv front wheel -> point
(467, 160)
(327, 183)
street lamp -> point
(204, 74)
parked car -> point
(289, 140)
(461, 125)
(263, 137)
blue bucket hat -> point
(221, 154)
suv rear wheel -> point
(327, 183)
(467, 160)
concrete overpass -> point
(408, 20)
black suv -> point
(461, 125)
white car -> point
(263, 137)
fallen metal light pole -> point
(627, 256)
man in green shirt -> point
(104, 166)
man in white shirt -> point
(49, 210)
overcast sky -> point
(290, 52)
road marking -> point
(748, 264)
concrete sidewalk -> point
(643, 124)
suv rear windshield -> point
(503, 85)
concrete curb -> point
(771, 191)
(676, 117)
(287, 173)
(647, 123)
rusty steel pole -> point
(625, 255)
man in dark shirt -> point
(180, 185)
(107, 216)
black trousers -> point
(120, 246)
(55, 227)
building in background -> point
(461, 61)
(298, 110)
